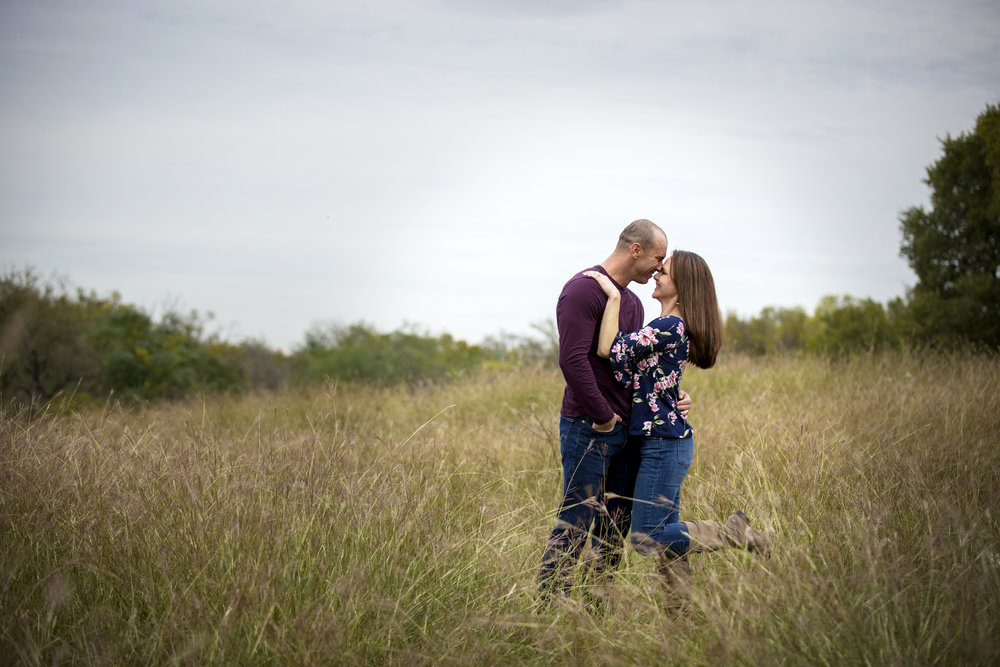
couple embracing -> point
(624, 438)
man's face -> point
(650, 260)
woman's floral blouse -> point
(651, 362)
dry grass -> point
(349, 525)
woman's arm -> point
(609, 323)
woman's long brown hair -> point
(699, 306)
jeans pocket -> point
(608, 443)
(685, 452)
(590, 426)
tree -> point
(774, 330)
(52, 343)
(848, 324)
(44, 336)
(360, 352)
(955, 247)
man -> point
(599, 463)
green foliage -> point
(44, 338)
(838, 326)
(773, 330)
(848, 324)
(955, 247)
(55, 343)
(168, 359)
(360, 352)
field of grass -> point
(350, 525)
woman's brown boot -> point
(735, 533)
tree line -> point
(56, 341)
(839, 325)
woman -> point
(651, 361)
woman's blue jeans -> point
(663, 465)
(594, 464)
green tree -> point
(149, 360)
(360, 352)
(53, 342)
(774, 330)
(954, 248)
(44, 338)
(847, 324)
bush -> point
(360, 352)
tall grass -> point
(354, 525)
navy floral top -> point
(651, 362)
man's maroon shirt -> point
(591, 389)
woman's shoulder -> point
(665, 322)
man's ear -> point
(636, 250)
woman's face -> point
(665, 289)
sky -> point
(447, 165)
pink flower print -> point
(642, 365)
(680, 328)
(618, 376)
(647, 427)
(651, 399)
(660, 386)
(646, 335)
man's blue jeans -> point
(656, 527)
(594, 464)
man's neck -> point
(618, 269)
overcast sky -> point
(451, 163)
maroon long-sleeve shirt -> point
(591, 389)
